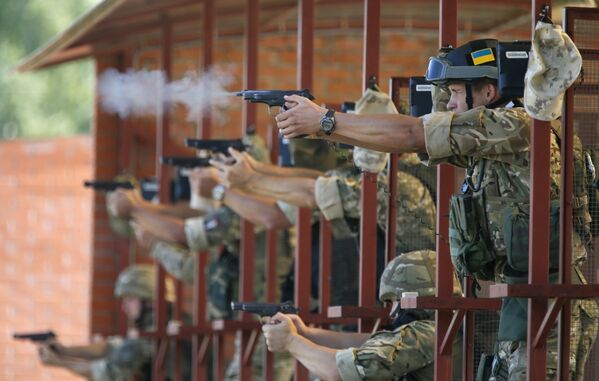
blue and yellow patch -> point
(482, 56)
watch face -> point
(327, 124)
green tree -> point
(51, 102)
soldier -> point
(337, 193)
(491, 141)
(406, 350)
(117, 358)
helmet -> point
(471, 61)
(411, 272)
(138, 281)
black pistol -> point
(185, 162)
(215, 145)
(272, 97)
(108, 186)
(36, 337)
(264, 309)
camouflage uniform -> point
(338, 196)
(406, 351)
(500, 138)
(131, 357)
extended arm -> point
(164, 227)
(87, 352)
(257, 209)
(281, 335)
(294, 190)
(277, 170)
(386, 133)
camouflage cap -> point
(138, 281)
(369, 160)
(313, 153)
(256, 147)
(411, 272)
(553, 66)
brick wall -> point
(44, 249)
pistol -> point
(108, 186)
(264, 309)
(272, 97)
(36, 337)
(185, 162)
(215, 145)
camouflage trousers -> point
(585, 317)
(284, 364)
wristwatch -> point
(218, 193)
(327, 122)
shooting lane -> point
(159, 27)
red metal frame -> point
(163, 178)
(368, 217)
(303, 251)
(445, 187)
(247, 255)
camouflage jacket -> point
(126, 358)
(391, 355)
(495, 142)
(338, 196)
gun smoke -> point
(145, 93)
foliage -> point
(51, 102)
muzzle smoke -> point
(145, 93)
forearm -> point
(79, 367)
(259, 210)
(384, 133)
(180, 210)
(334, 339)
(167, 228)
(298, 191)
(318, 359)
(86, 352)
(277, 170)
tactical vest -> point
(489, 226)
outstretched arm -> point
(277, 170)
(328, 338)
(385, 133)
(259, 210)
(281, 335)
(294, 190)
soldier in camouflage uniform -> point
(407, 350)
(337, 192)
(492, 142)
(117, 358)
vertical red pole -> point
(445, 187)
(247, 253)
(538, 261)
(163, 179)
(303, 251)
(199, 368)
(123, 245)
(392, 166)
(567, 190)
(325, 266)
(368, 218)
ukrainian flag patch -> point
(482, 56)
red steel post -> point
(303, 250)
(538, 262)
(368, 218)
(445, 187)
(567, 190)
(247, 255)
(163, 179)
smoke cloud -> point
(146, 93)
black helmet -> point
(473, 60)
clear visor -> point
(440, 70)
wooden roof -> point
(116, 24)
